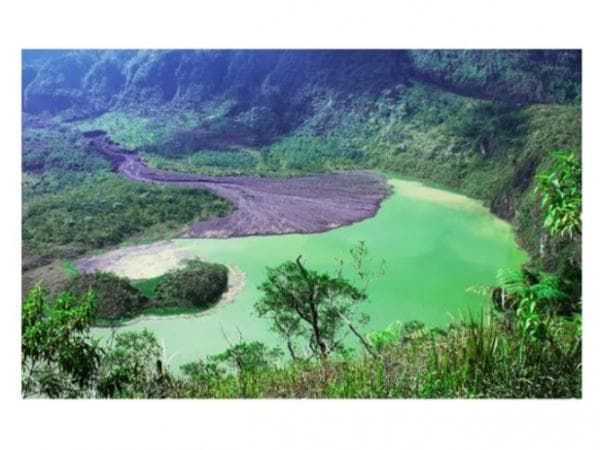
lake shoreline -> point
(234, 288)
(262, 205)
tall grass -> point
(477, 357)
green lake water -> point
(435, 245)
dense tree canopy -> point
(197, 284)
(58, 356)
(116, 298)
(109, 210)
(131, 367)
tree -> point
(561, 194)
(197, 284)
(560, 189)
(116, 298)
(247, 356)
(311, 306)
(132, 368)
(58, 356)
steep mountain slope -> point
(83, 83)
(480, 122)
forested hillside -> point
(480, 122)
(502, 126)
(267, 82)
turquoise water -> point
(435, 245)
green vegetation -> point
(69, 268)
(190, 289)
(538, 75)
(309, 307)
(58, 357)
(223, 162)
(54, 161)
(484, 123)
(561, 206)
(107, 211)
(243, 358)
(135, 131)
(148, 286)
(473, 358)
(116, 298)
(198, 284)
(561, 195)
(171, 310)
(130, 367)
(73, 205)
(528, 346)
(535, 353)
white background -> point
(289, 424)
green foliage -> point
(130, 367)
(202, 372)
(561, 194)
(135, 131)
(147, 286)
(307, 306)
(109, 210)
(535, 298)
(198, 284)
(70, 268)
(170, 310)
(56, 151)
(54, 161)
(481, 357)
(395, 332)
(422, 115)
(532, 76)
(116, 298)
(303, 153)
(489, 358)
(476, 357)
(234, 162)
(58, 356)
(551, 127)
(490, 126)
(246, 359)
(247, 356)
(537, 286)
(386, 337)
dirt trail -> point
(263, 206)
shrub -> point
(106, 210)
(59, 358)
(198, 284)
(116, 297)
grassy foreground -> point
(476, 358)
(491, 355)
(527, 346)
